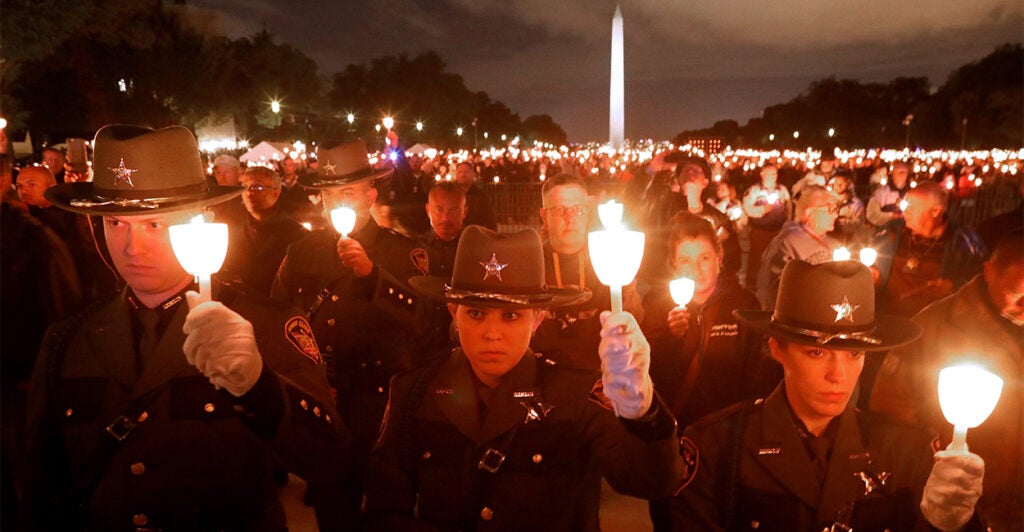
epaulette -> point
(727, 412)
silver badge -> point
(844, 310)
(329, 168)
(123, 174)
(493, 267)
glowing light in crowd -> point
(388, 122)
(344, 220)
(275, 106)
(200, 248)
(615, 252)
(682, 290)
(351, 118)
(868, 256)
(841, 253)
(967, 396)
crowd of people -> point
(436, 368)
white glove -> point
(221, 345)
(625, 359)
(952, 490)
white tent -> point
(265, 151)
(420, 149)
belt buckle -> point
(121, 427)
(491, 460)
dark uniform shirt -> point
(197, 458)
(570, 335)
(434, 319)
(553, 426)
(749, 468)
(256, 249)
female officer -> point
(492, 435)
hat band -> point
(363, 172)
(156, 195)
(458, 294)
(823, 338)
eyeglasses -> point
(258, 188)
(571, 210)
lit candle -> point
(615, 252)
(904, 204)
(735, 213)
(682, 290)
(868, 256)
(967, 395)
(841, 253)
(200, 248)
(344, 220)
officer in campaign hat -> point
(805, 458)
(494, 436)
(152, 410)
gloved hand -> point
(952, 490)
(221, 345)
(625, 359)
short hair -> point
(448, 187)
(933, 191)
(769, 164)
(561, 180)
(807, 194)
(264, 172)
(54, 150)
(1007, 250)
(699, 162)
(227, 160)
(897, 164)
(687, 226)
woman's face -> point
(698, 259)
(494, 339)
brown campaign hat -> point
(832, 305)
(498, 270)
(341, 165)
(137, 170)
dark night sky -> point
(688, 62)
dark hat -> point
(498, 270)
(832, 305)
(137, 170)
(344, 164)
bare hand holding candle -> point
(615, 252)
(200, 248)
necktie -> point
(149, 318)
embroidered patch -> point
(691, 461)
(300, 334)
(597, 396)
(420, 260)
(769, 451)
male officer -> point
(353, 291)
(805, 458)
(152, 412)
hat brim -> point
(890, 331)
(317, 181)
(81, 198)
(436, 288)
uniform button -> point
(380, 389)
(208, 407)
(391, 291)
(334, 298)
(409, 301)
(300, 289)
(330, 322)
(140, 520)
(138, 468)
(426, 455)
(538, 458)
(327, 418)
(362, 365)
(238, 408)
(401, 295)
(377, 363)
(755, 524)
(316, 411)
(304, 404)
(329, 349)
(486, 514)
(143, 416)
(68, 412)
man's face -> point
(565, 214)
(32, 182)
(358, 197)
(1006, 290)
(140, 247)
(260, 194)
(899, 176)
(821, 213)
(464, 175)
(288, 167)
(819, 381)
(840, 185)
(698, 259)
(920, 213)
(446, 211)
(226, 176)
(769, 176)
(54, 160)
(494, 339)
(827, 166)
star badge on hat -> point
(123, 174)
(493, 267)
(329, 168)
(844, 310)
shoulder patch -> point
(420, 260)
(300, 335)
(597, 396)
(691, 461)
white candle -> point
(200, 248)
(682, 290)
(344, 220)
(967, 395)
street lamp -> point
(388, 122)
(419, 126)
(771, 137)
(458, 131)
(906, 122)
(351, 118)
(275, 106)
(796, 134)
(831, 132)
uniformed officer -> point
(150, 412)
(805, 458)
(496, 437)
(354, 293)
